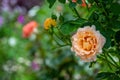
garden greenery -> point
(60, 40)
(105, 15)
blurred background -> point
(37, 57)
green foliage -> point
(51, 3)
(72, 5)
(79, 1)
(54, 17)
(91, 1)
(107, 76)
(70, 27)
(51, 49)
(5, 32)
(115, 8)
(117, 36)
(62, 1)
(61, 18)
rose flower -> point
(83, 3)
(87, 43)
(49, 22)
(29, 28)
(74, 1)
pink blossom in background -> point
(74, 1)
(21, 19)
(35, 66)
(29, 28)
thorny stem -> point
(76, 12)
(65, 43)
(60, 46)
(66, 40)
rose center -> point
(87, 41)
(87, 46)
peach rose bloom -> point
(29, 28)
(87, 43)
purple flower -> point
(1, 20)
(35, 66)
(21, 19)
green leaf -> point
(79, 1)
(94, 16)
(115, 8)
(117, 36)
(61, 18)
(107, 1)
(70, 27)
(72, 4)
(90, 1)
(54, 17)
(107, 33)
(116, 25)
(103, 75)
(51, 3)
(92, 10)
(4, 31)
(79, 21)
(62, 1)
(107, 76)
